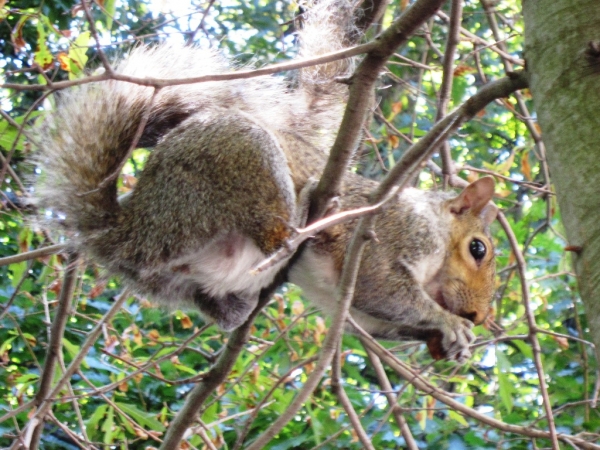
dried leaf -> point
(186, 322)
(562, 342)
(525, 166)
(97, 289)
(55, 286)
(297, 308)
(462, 69)
(153, 335)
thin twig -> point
(242, 434)
(535, 344)
(359, 100)
(421, 383)
(234, 75)
(338, 390)
(73, 367)
(37, 253)
(452, 42)
(211, 380)
(56, 338)
(386, 386)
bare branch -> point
(338, 389)
(56, 338)
(386, 386)
(92, 337)
(234, 75)
(422, 384)
(359, 101)
(33, 254)
(535, 343)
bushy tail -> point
(85, 140)
(327, 26)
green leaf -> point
(315, 423)
(143, 418)
(18, 271)
(73, 350)
(25, 378)
(523, 348)
(458, 417)
(6, 344)
(108, 425)
(77, 55)
(109, 7)
(210, 413)
(43, 56)
(91, 426)
(505, 389)
(295, 442)
(502, 362)
(459, 89)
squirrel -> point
(228, 180)
(429, 275)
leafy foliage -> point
(137, 374)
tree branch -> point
(56, 337)
(359, 100)
(47, 402)
(419, 382)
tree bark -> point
(564, 70)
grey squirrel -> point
(229, 178)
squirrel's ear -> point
(475, 197)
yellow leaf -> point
(98, 289)
(297, 308)
(129, 181)
(320, 329)
(430, 406)
(186, 322)
(254, 374)
(504, 167)
(462, 69)
(321, 325)
(503, 193)
(472, 176)
(525, 166)
(561, 341)
(153, 335)
(110, 343)
(512, 259)
(309, 367)
(63, 59)
(280, 304)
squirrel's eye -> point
(477, 249)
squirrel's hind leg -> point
(229, 311)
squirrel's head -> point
(467, 278)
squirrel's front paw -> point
(453, 340)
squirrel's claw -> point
(457, 338)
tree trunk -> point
(562, 49)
